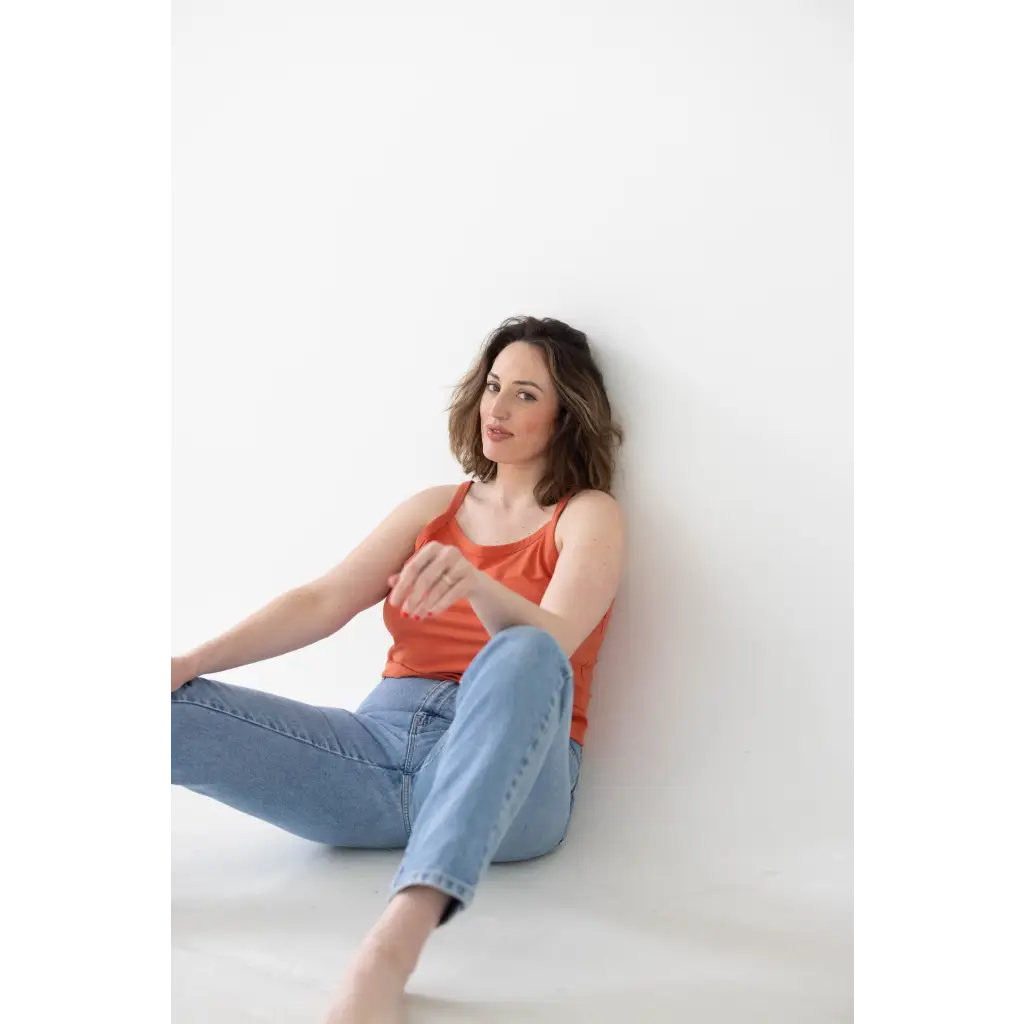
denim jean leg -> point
(325, 774)
(514, 703)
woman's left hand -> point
(434, 578)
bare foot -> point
(372, 992)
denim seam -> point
(545, 725)
(417, 720)
(439, 687)
(448, 884)
(282, 732)
(410, 741)
(432, 753)
(577, 756)
(406, 801)
(414, 728)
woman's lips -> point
(497, 435)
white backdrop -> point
(359, 198)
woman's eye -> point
(493, 385)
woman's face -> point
(520, 399)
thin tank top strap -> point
(435, 524)
(457, 499)
(460, 496)
(560, 508)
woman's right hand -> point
(183, 670)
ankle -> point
(389, 953)
(399, 936)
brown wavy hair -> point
(582, 450)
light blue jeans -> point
(457, 774)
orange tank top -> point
(442, 646)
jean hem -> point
(461, 892)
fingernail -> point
(416, 618)
(405, 615)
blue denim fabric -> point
(458, 774)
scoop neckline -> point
(511, 545)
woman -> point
(497, 593)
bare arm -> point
(581, 590)
(317, 609)
(584, 583)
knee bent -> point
(531, 638)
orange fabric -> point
(442, 646)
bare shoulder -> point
(591, 514)
(431, 501)
(441, 492)
(590, 504)
(420, 508)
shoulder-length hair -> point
(582, 451)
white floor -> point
(606, 929)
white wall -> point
(359, 198)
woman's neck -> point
(512, 489)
